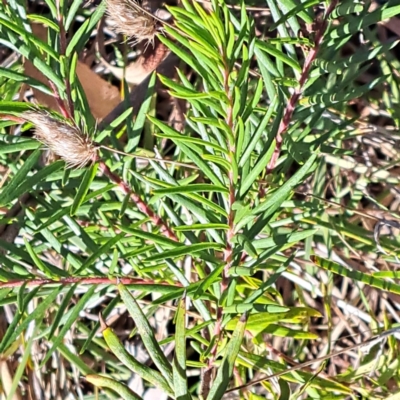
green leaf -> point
(195, 188)
(147, 334)
(122, 390)
(22, 183)
(283, 331)
(90, 174)
(108, 309)
(324, 100)
(14, 107)
(273, 51)
(17, 77)
(44, 21)
(61, 310)
(73, 8)
(188, 139)
(225, 370)
(274, 201)
(356, 24)
(260, 165)
(186, 250)
(258, 322)
(78, 362)
(148, 374)
(13, 332)
(7, 194)
(295, 10)
(134, 134)
(82, 35)
(283, 240)
(179, 364)
(359, 276)
(365, 54)
(19, 145)
(200, 227)
(100, 251)
(72, 318)
(214, 277)
(114, 124)
(30, 39)
(244, 307)
(347, 8)
(50, 273)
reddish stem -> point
(64, 111)
(228, 252)
(63, 49)
(11, 117)
(94, 280)
(294, 98)
(141, 205)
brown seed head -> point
(63, 139)
(131, 20)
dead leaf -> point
(102, 97)
(136, 72)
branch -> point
(141, 205)
(93, 280)
(294, 98)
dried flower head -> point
(130, 19)
(63, 139)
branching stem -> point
(228, 252)
(63, 49)
(91, 280)
(141, 205)
(294, 98)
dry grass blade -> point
(64, 140)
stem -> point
(141, 205)
(228, 252)
(294, 98)
(63, 48)
(93, 280)
(64, 111)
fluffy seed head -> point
(131, 20)
(63, 139)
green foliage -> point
(267, 127)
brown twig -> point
(294, 98)
(370, 342)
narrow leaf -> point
(12, 334)
(84, 188)
(179, 363)
(72, 318)
(147, 334)
(148, 374)
(225, 371)
(119, 388)
(20, 177)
